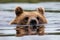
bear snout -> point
(33, 22)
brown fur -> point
(24, 18)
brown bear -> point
(32, 18)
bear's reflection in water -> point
(29, 18)
(29, 30)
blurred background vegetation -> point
(29, 1)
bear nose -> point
(33, 22)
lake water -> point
(52, 14)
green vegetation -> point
(29, 1)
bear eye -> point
(38, 18)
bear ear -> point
(41, 10)
(18, 11)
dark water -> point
(53, 26)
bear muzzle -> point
(33, 22)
